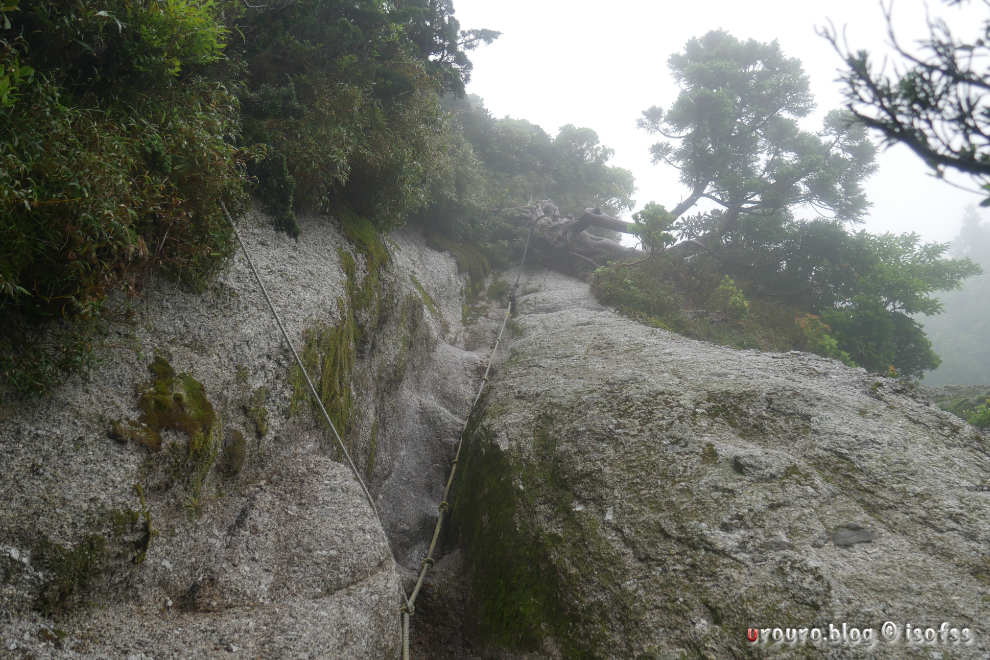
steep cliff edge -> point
(182, 501)
(633, 493)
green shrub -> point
(13, 73)
(819, 341)
(653, 224)
(729, 299)
(120, 49)
(276, 191)
(981, 416)
(87, 195)
(877, 338)
(622, 289)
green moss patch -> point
(126, 431)
(256, 411)
(119, 539)
(174, 402)
(330, 351)
(428, 300)
(72, 570)
(363, 234)
(328, 354)
(178, 402)
(522, 573)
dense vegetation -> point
(124, 123)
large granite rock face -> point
(228, 541)
(631, 493)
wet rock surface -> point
(238, 532)
(629, 492)
(634, 493)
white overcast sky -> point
(600, 64)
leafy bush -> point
(970, 402)
(729, 299)
(652, 225)
(819, 341)
(13, 73)
(349, 94)
(877, 338)
(87, 195)
(665, 291)
(120, 48)
(109, 164)
(621, 288)
(981, 416)
(864, 286)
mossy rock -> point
(328, 355)
(363, 234)
(257, 412)
(119, 540)
(470, 260)
(72, 571)
(234, 454)
(522, 572)
(174, 402)
(428, 300)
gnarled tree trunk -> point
(564, 240)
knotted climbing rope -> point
(409, 600)
(409, 607)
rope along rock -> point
(312, 390)
(409, 607)
(409, 599)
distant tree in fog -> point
(961, 334)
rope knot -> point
(443, 507)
